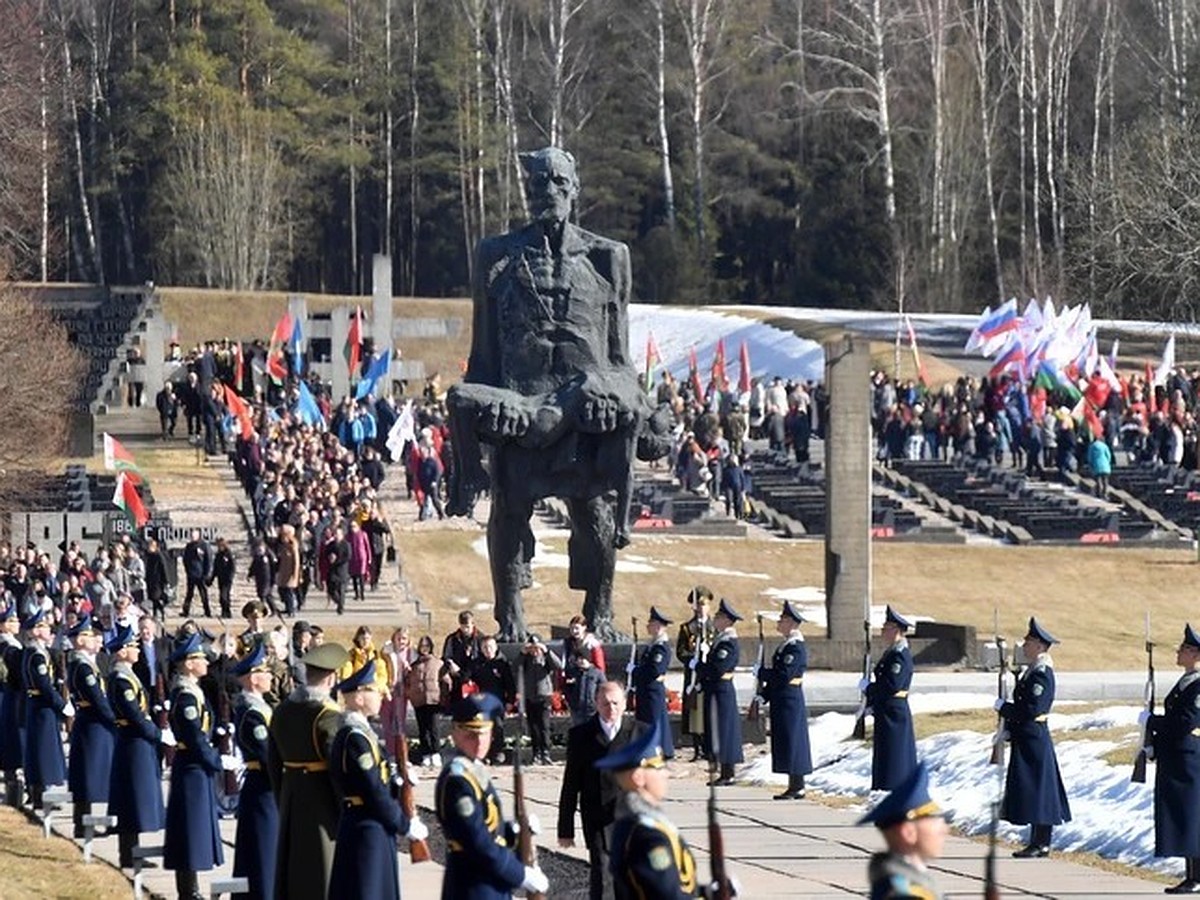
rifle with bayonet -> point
(1001, 694)
(58, 659)
(721, 889)
(755, 705)
(1139, 764)
(630, 684)
(860, 721)
(526, 850)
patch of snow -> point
(716, 570)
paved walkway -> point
(802, 849)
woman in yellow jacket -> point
(362, 652)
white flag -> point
(403, 431)
(1167, 364)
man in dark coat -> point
(336, 556)
(197, 567)
(223, 569)
(301, 733)
(649, 680)
(158, 580)
(93, 734)
(1033, 792)
(460, 650)
(781, 686)
(1177, 771)
(722, 719)
(895, 745)
(590, 789)
(135, 791)
(193, 837)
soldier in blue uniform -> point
(721, 716)
(895, 745)
(257, 837)
(781, 687)
(481, 862)
(1175, 740)
(649, 680)
(45, 710)
(193, 838)
(93, 734)
(915, 831)
(12, 703)
(134, 789)
(365, 863)
(1033, 792)
(649, 858)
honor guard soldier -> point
(695, 639)
(895, 745)
(93, 734)
(45, 710)
(365, 864)
(721, 716)
(1033, 792)
(134, 790)
(915, 831)
(1175, 738)
(12, 702)
(193, 839)
(481, 862)
(256, 840)
(301, 733)
(781, 686)
(649, 858)
(650, 677)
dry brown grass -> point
(212, 314)
(35, 868)
(1093, 599)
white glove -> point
(417, 830)
(221, 730)
(1149, 748)
(535, 881)
(229, 763)
(535, 824)
(998, 704)
(863, 684)
(630, 666)
(166, 705)
(68, 710)
(692, 663)
(1143, 717)
(704, 648)
(754, 670)
(167, 738)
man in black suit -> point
(592, 789)
(197, 567)
(337, 567)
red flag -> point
(126, 498)
(718, 366)
(1097, 391)
(694, 365)
(1149, 390)
(353, 349)
(1093, 420)
(279, 337)
(239, 410)
(744, 365)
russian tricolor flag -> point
(1002, 320)
(1013, 357)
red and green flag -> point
(118, 459)
(653, 358)
(126, 499)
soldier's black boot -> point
(1191, 879)
(187, 885)
(795, 789)
(1039, 843)
(35, 795)
(12, 788)
(126, 841)
(726, 777)
(77, 813)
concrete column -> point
(154, 349)
(339, 328)
(848, 487)
(381, 319)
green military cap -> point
(329, 657)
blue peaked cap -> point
(256, 658)
(792, 613)
(728, 611)
(363, 676)
(477, 712)
(187, 647)
(123, 637)
(896, 619)
(656, 616)
(1190, 637)
(1037, 631)
(907, 803)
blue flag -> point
(296, 338)
(306, 408)
(380, 367)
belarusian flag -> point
(353, 349)
(126, 498)
(744, 369)
(118, 459)
(652, 358)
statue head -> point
(551, 183)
